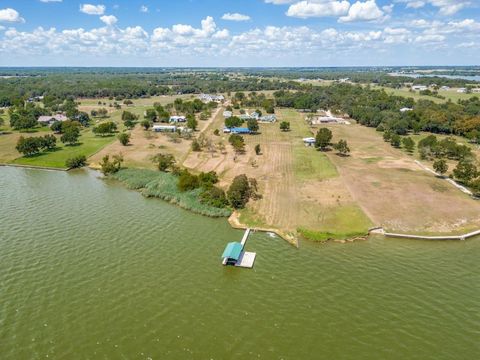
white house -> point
(164, 128)
(326, 120)
(462, 90)
(178, 119)
(476, 91)
(445, 88)
(50, 119)
(419, 87)
(405, 109)
(271, 118)
(227, 114)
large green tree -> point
(323, 139)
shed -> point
(240, 130)
(232, 252)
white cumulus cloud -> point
(10, 15)
(90, 9)
(305, 9)
(363, 11)
(235, 17)
(110, 20)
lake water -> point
(463, 77)
(90, 270)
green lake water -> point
(90, 270)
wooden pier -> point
(237, 258)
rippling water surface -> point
(90, 270)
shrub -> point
(111, 167)
(124, 138)
(164, 161)
(76, 162)
(215, 197)
(187, 181)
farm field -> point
(395, 192)
(302, 191)
(448, 94)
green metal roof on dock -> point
(233, 251)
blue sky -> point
(239, 33)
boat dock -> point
(235, 254)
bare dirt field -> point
(300, 187)
(395, 192)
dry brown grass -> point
(395, 192)
(291, 199)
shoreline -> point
(235, 223)
(34, 167)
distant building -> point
(462, 90)
(476, 91)
(254, 115)
(445, 88)
(178, 119)
(35, 99)
(240, 130)
(50, 119)
(419, 87)
(270, 118)
(164, 128)
(317, 120)
(405, 109)
(227, 114)
(211, 98)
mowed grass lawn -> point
(88, 145)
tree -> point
(48, 142)
(408, 144)
(465, 171)
(323, 138)
(151, 115)
(342, 147)
(111, 166)
(192, 122)
(28, 146)
(164, 161)
(285, 126)
(238, 193)
(252, 125)
(22, 120)
(147, 124)
(395, 140)
(56, 127)
(237, 142)
(258, 150)
(106, 128)
(124, 138)
(76, 162)
(233, 121)
(440, 166)
(70, 135)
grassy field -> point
(448, 94)
(88, 145)
(395, 192)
